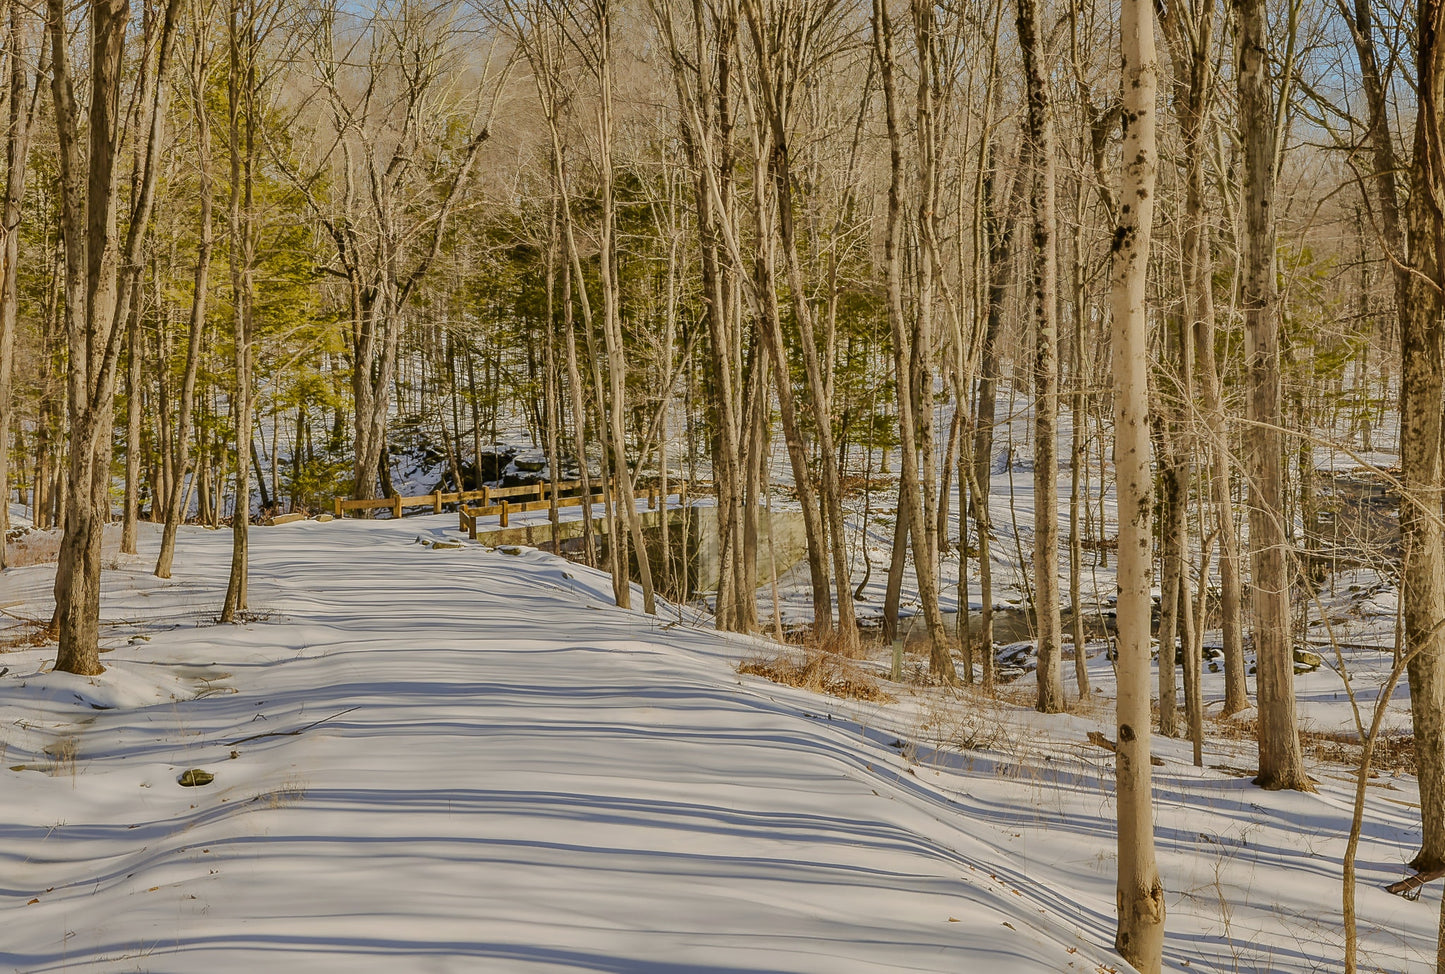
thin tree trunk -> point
(612, 326)
(1281, 763)
(94, 291)
(909, 350)
(17, 158)
(1422, 385)
(175, 510)
(1046, 363)
(241, 114)
(1140, 935)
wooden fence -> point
(467, 516)
(500, 501)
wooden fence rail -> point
(396, 503)
(504, 501)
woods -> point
(257, 254)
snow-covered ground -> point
(467, 759)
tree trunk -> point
(1281, 763)
(94, 290)
(912, 380)
(17, 158)
(1140, 936)
(1422, 385)
(175, 508)
(611, 320)
(1046, 363)
(240, 217)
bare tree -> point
(200, 70)
(788, 39)
(911, 345)
(1423, 465)
(388, 109)
(1281, 762)
(1411, 238)
(23, 97)
(1046, 361)
(1140, 936)
(1189, 32)
(96, 294)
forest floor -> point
(467, 759)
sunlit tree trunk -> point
(175, 512)
(1281, 762)
(1046, 362)
(23, 97)
(241, 145)
(96, 292)
(1140, 935)
(1422, 386)
(908, 351)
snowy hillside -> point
(462, 759)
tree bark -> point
(909, 350)
(1046, 363)
(241, 117)
(17, 158)
(1422, 385)
(1281, 762)
(175, 509)
(95, 291)
(1140, 935)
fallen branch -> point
(1410, 886)
(293, 733)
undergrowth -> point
(819, 671)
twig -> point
(293, 733)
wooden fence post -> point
(472, 526)
(486, 496)
(396, 505)
(437, 502)
(503, 515)
(338, 506)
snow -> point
(467, 759)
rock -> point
(195, 778)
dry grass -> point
(969, 721)
(289, 793)
(62, 753)
(28, 546)
(819, 671)
(1393, 754)
(25, 634)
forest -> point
(256, 255)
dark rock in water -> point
(493, 460)
(518, 478)
(195, 777)
(1009, 674)
(1021, 655)
(1209, 653)
(533, 461)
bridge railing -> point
(505, 501)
